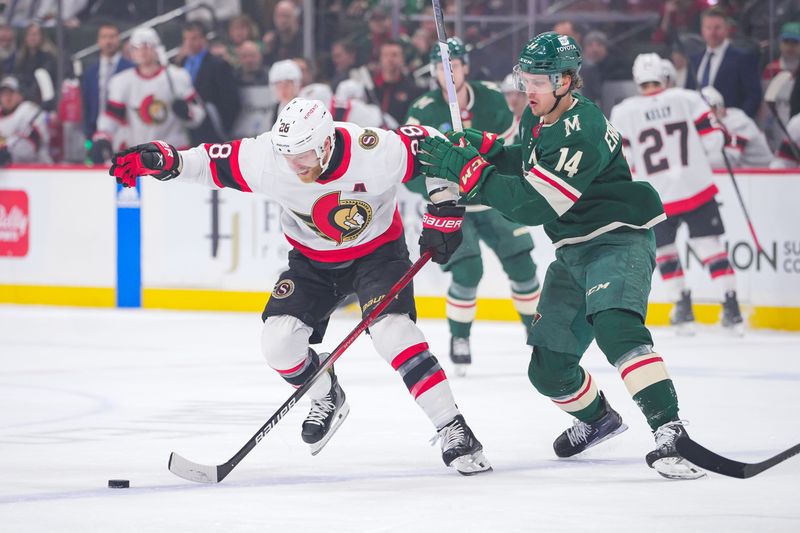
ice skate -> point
(325, 417)
(460, 355)
(460, 448)
(582, 436)
(665, 458)
(731, 315)
(682, 316)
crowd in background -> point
(243, 65)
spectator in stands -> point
(36, 52)
(214, 81)
(219, 48)
(251, 69)
(599, 66)
(732, 71)
(8, 48)
(421, 42)
(255, 93)
(789, 46)
(94, 82)
(23, 131)
(566, 27)
(746, 145)
(307, 70)
(678, 16)
(285, 78)
(380, 31)
(286, 40)
(241, 29)
(151, 101)
(680, 64)
(394, 87)
(343, 57)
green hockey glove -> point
(458, 164)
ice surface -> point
(92, 395)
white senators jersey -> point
(666, 138)
(24, 133)
(788, 153)
(144, 105)
(747, 145)
(348, 212)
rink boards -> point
(63, 230)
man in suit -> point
(732, 71)
(215, 82)
(94, 82)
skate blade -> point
(340, 416)
(474, 463)
(460, 370)
(677, 468)
(687, 329)
(736, 330)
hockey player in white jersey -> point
(350, 105)
(788, 153)
(667, 135)
(152, 101)
(337, 184)
(23, 131)
(747, 145)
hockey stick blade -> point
(708, 460)
(200, 473)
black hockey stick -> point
(708, 460)
(201, 473)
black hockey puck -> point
(118, 484)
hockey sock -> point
(284, 343)
(628, 345)
(400, 342)
(669, 266)
(525, 296)
(715, 258)
(461, 309)
(570, 387)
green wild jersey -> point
(571, 177)
(486, 110)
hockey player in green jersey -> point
(569, 175)
(483, 107)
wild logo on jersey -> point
(152, 111)
(336, 219)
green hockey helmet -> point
(548, 53)
(457, 48)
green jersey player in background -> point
(482, 107)
(569, 175)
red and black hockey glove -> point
(157, 159)
(487, 144)
(441, 231)
(460, 164)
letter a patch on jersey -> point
(359, 187)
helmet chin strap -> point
(558, 98)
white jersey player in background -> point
(667, 136)
(337, 184)
(350, 105)
(787, 154)
(153, 101)
(517, 102)
(23, 129)
(747, 145)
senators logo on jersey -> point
(336, 219)
(152, 111)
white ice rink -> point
(90, 395)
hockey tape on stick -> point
(452, 99)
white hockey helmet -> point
(712, 96)
(508, 85)
(648, 68)
(285, 70)
(316, 91)
(303, 125)
(145, 37)
(350, 90)
(670, 74)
